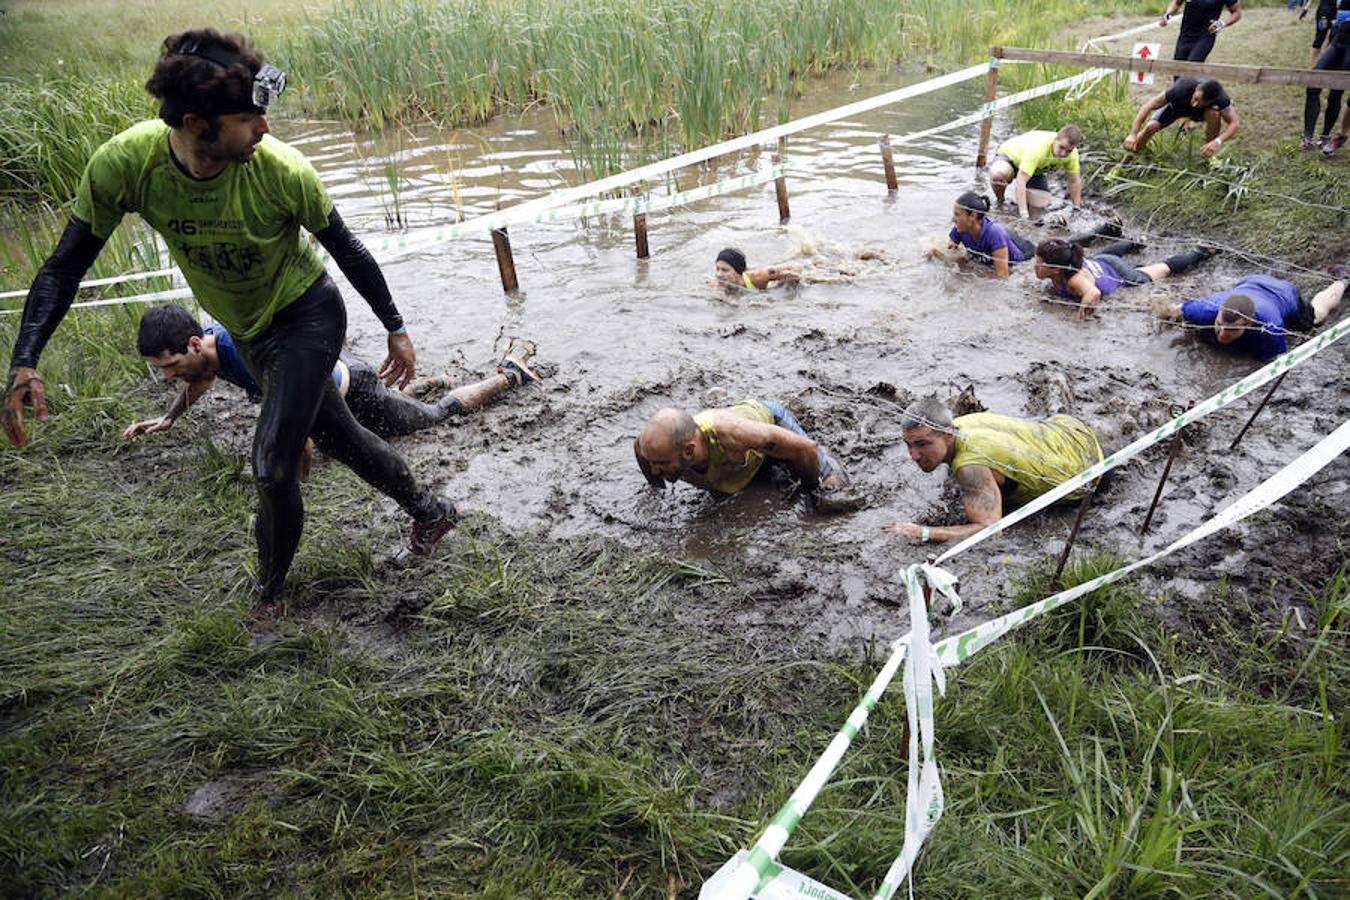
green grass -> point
(527, 719)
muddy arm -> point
(1000, 258)
(778, 443)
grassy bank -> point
(1261, 194)
(575, 719)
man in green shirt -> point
(230, 202)
(999, 461)
(1022, 161)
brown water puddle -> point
(628, 336)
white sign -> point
(1144, 51)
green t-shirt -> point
(236, 236)
(1031, 152)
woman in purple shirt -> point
(1061, 262)
(985, 240)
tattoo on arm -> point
(980, 494)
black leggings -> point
(391, 413)
(1336, 57)
(293, 362)
(1194, 49)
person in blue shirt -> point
(1256, 315)
(179, 347)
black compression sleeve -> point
(361, 270)
(53, 290)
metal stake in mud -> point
(1073, 536)
(1167, 470)
(780, 188)
(990, 92)
(1264, 400)
(506, 265)
(888, 160)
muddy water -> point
(625, 337)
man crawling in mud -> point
(722, 450)
(997, 460)
(175, 343)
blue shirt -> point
(1275, 300)
(1104, 276)
(993, 236)
(232, 368)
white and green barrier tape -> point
(1238, 389)
(756, 872)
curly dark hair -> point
(166, 329)
(186, 83)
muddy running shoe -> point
(1207, 249)
(1340, 272)
(1112, 227)
(266, 613)
(423, 386)
(515, 364)
(1309, 144)
(1332, 144)
(426, 536)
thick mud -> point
(875, 323)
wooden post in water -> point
(1264, 400)
(888, 161)
(1167, 470)
(506, 265)
(990, 92)
(780, 188)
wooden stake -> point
(780, 188)
(888, 161)
(987, 123)
(640, 235)
(506, 265)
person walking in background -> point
(1201, 23)
(1336, 58)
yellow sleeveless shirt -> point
(723, 474)
(1037, 455)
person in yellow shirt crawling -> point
(999, 461)
(730, 271)
(722, 450)
(1023, 160)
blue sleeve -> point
(1201, 312)
(954, 236)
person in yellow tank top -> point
(730, 271)
(997, 460)
(723, 449)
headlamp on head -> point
(268, 83)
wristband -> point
(923, 535)
(1218, 140)
(1222, 24)
(402, 329)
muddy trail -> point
(875, 324)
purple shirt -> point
(993, 236)
(1105, 277)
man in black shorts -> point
(1194, 101)
(174, 342)
(1200, 25)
